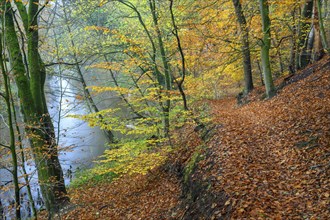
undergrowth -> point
(128, 157)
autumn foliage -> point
(270, 157)
(274, 155)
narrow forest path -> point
(274, 155)
(269, 157)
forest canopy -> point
(141, 71)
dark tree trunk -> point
(245, 46)
(304, 33)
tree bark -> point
(266, 69)
(38, 124)
(322, 29)
(317, 43)
(305, 54)
(167, 102)
(245, 46)
(294, 48)
(12, 136)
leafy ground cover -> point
(270, 158)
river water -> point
(80, 144)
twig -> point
(38, 12)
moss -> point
(191, 165)
(90, 177)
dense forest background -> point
(148, 74)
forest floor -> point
(269, 159)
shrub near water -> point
(131, 157)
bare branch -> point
(282, 39)
(5, 146)
(62, 63)
(38, 12)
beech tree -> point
(245, 46)
(304, 34)
(265, 47)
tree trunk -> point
(38, 126)
(317, 43)
(245, 46)
(90, 101)
(277, 44)
(167, 104)
(294, 48)
(304, 31)
(12, 136)
(321, 25)
(264, 10)
(22, 154)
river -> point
(80, 144)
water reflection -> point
(79, 145)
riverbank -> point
(265, 159)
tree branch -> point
(38, 12)
(3, 95)
(5, 146)
(282, 39)
(62, 63)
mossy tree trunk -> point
(39, 127)
(268, 79)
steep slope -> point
(271, 157)
(268, 159)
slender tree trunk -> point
(297, 40)
(160, 78)
(245, 46)
(279, 55)
(321, 25)
(61, 91)
(260, 73)
(129, 105)
(304, 34)
(22, 154)
(317, 44)
(12, 136)
(183, 60)
(294, 48)
(264, 10)
(167, 104)
(163, 80)
(90, 101)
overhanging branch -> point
(62, 63)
